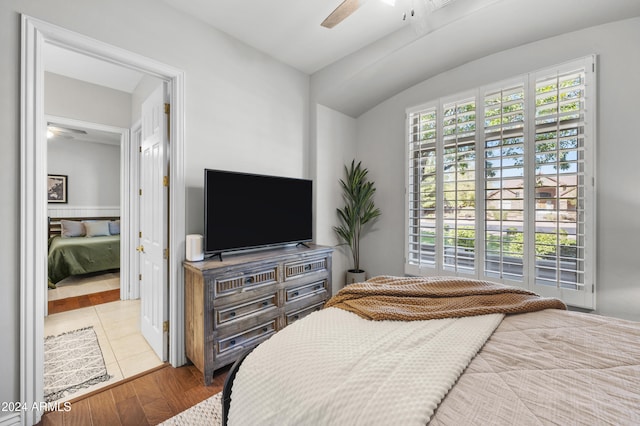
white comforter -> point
(336, 368)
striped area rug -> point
(206, 413)
(72, 361)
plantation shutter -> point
(458, 185)
(504, 184)
(559, 129)
(421, 190)
(525, 148)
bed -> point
(82, 245)
(515, 358)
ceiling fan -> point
(62, 131)
(347, 7)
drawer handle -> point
(295, 317)
(265, 303)
(232, 314)
(265, 329)
(248, 280)
(307, 267)
(318, 287)
(232, 342)
(294, 294)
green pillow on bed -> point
(96, 228)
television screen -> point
(246, 210)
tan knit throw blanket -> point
(420, 298)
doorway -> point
(88, 157)
(85, 298)
(35, 35)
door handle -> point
(140, 249)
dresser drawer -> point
(305, 290)
(236, 303)
(233, 313)
(246, 337)
(297, 269)
(295, 316)
(240, 280)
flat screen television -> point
(244, 210)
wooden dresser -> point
(237, 303)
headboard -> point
(55, 228)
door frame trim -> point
(33, 206)
(135, 133)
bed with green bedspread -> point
(82, 255)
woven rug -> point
(206, 413)
(72, 361)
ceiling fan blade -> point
(61, 129)
(346, 8)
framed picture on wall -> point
(57, 189)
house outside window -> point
(500, 183)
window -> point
(500, 184)
(504, 189)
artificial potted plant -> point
(358, 211)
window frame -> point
(583, 296)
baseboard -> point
(11, 419)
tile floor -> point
(117, 325)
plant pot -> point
(355, 276)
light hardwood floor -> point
(57, 306)
(147, 399)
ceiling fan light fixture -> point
(417, 16)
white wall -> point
(244, 111)
(71, 98)
(334, 146)
(381, 136)
(92, 169)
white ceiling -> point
(289, 30)
(355, 84)
(74, 132)
(373, 54)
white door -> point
(153, 222)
